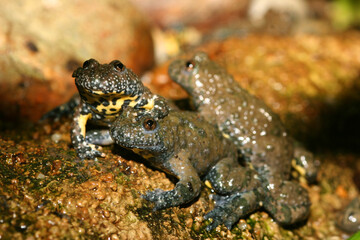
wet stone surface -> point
(46, 191)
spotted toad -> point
(188, 147)
(254, 128)
(185, 146)
(104, 90)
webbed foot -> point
(221, 215)
(230, 209)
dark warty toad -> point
(186, 146)
(254, 128)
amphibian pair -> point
(246, 123)
(104, 91)
(186, 146)
(189, 147)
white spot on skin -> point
(303, 161)
(199, 84)
(270, 186)
(352, 219)
(266, 114)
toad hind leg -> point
(78, 135)
(241, 192)
(288, 203)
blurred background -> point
(302, 57)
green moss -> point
(161, 223)
(356, 236)
(346, 13)
(122, 179)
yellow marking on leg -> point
(150, 104)
(133, 103)
(82, 122)
(208, 184)
(295, 174)
(298, 168)
(301, 172)
(251, 166)
(226, 135)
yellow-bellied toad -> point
(104, 89)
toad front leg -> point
(187, 188)
(78, 135)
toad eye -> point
(90, 63)
(119, 66)
(189, 65)
(149, 124)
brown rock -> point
(308, 80)
(41, 43)
(203, 13)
